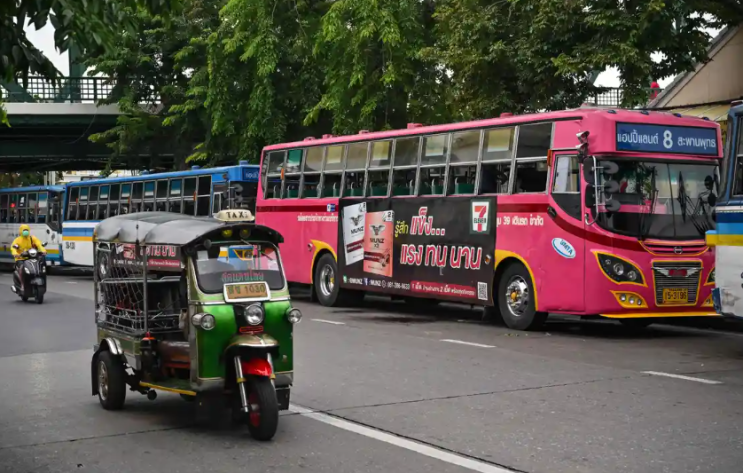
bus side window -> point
(292, 174)
(378, 176)
(189, 196)
(113, 206)
(203, 196)
(43, 207)
(273, 163)
(533, 144)
(465, 147)
(497, 159)
(531, 176)
(4, 208)
(433, 165)
(738, 160)
(175, 196)
(311, 172)
(566, 185)
(332, 171)
(353, 176)
(31, 206)
(405, 168)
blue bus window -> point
(74, 194)
(162, 189)
(104, 193)
(175, 187)
(93, 193)
(115, 192)
(84, 193)
(149, 189)
(189, 187)
(137, 191)
(126, 191)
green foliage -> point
(235, 75)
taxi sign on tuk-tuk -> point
(236, 215)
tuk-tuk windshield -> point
(227, 264)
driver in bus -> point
(24, 242)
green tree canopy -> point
(235, 75)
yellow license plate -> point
(675, 296)
(252, 290)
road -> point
(383, 389)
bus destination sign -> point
(666, 139)
(419, 247)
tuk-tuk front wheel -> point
(263, 409)
(111, 378)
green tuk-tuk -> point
(196, 306)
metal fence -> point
(65, 89)
(612, 97)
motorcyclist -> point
(24, 242)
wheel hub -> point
(102, 380)
(517, 296)
(327, 280)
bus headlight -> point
(619, 270)
(204, 321)
(293, 315)
(254, 314)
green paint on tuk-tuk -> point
(280, 329)
(211, 343)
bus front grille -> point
(677, 275)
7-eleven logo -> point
(480, 216)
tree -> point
(89, 24)
(526, 55)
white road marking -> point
(71, 282)
(329, 321)
(432, 452)
(461, 342)
(680, 376)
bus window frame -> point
(363, 170)
(447, 155)
(335, 172)
(318, 188)
(736, 156)
(389, 168)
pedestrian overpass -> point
(51, 123)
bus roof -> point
(600, 118)
(32, 189)
(171, 174)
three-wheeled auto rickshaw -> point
(196, 306)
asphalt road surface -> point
(384, 389)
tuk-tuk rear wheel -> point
(111, 381)
(263, 413)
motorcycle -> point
(31, 283)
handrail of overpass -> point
(64, 89)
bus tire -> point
(516, 299)
(325, 282)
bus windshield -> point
(663, 200)
(228, 264)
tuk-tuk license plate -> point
(675, 296)
(251, 291)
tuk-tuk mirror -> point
(207, 243)
(613, 205)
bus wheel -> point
(516, 299)
(326, 284)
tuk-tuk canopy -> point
(164, 228)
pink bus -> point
(587, 211)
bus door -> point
(565, 253)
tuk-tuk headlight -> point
(205, 321)
(254, 314)
(293, 315)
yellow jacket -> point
(23, 243)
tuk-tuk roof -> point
(164, 228)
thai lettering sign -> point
(421, 247)
(667, 139)
(159, 257)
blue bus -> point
(196, 192)
(727, 238)
(39, 208)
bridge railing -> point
(65, 89)
(612, 97)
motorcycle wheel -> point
(39, 298)
(24, 298)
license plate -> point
(252, 291)
(675, 296)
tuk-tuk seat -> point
(174, 353)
